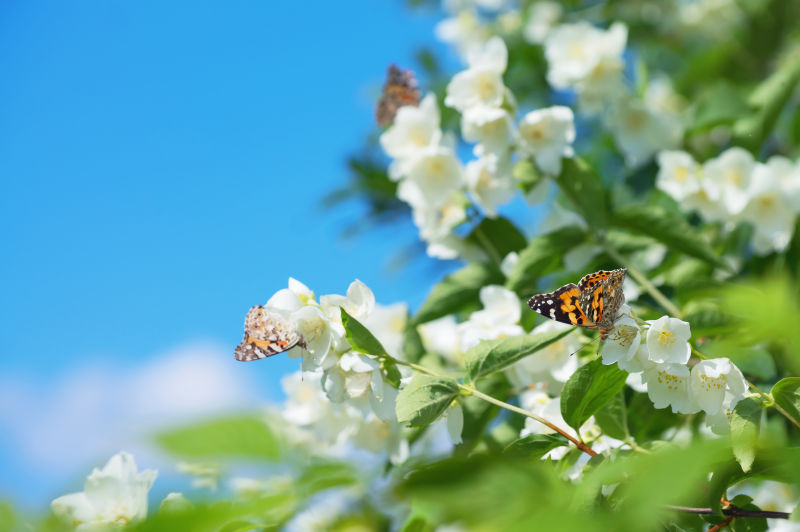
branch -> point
(733, 511)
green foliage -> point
(584, 188)
(745, 424)
(786, 394)
(613, 417)
(497, 237)
(360, 338)
(542, 253)
(494, 355)
(457, 291)
(424, 399)
(232, 437)
(588, 390)
(535, 446)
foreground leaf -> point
(490, 356)
(668, 228)
(458, 290)
(584, 188)
(535, 446)
(497, 237)
(745, 422)
(612, 418)
(424, 399)
(360, 338)
(786, 394)
(588, 390)
(240, 437)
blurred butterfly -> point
(593, 303)
(399, 90)
(266, 333)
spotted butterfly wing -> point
(601, 296)
(266, 333)
(399, 90)
(562, 305)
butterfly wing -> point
(254, 349)
(266, 333)
(602, 296)
(399, 90)
(562, 305)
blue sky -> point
(162, 168)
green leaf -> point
(493, 355)
(527, 175)
(360, 338)
(786, 394)
(542, 253)
(424, 399)
(584, 188)
(745, 422)
(7, 517)
(240, 526)
(497, 237)
(766, 102)
(668, 228)
(324, 475)
(413, 348)
(417, 523)
(241, 437)
(588, 390)
(754, 361)
(613, 418)
(721, 103)
(535, 446)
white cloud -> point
(56, 430)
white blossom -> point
(542, 16)
(455, 422)
(413, 129)
(711, 379)
(579, 52)
(498, 318)
(731, 173)
(509, 262)
(441, 336)
(623, 341)
(464, 30)
(547, 136)
(678, 174)
(769, 209)
(491, 127)
(387, 323)
(433, 176)
(640, 132)
(482, 83)
(667, 340)
(490, 182)
(668, 385)
(557, 361)
(112, 497)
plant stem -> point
(644, 282)
(488, 398)
(732, 511)
(495, 256)
(721, 525)
(633, 445)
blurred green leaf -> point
(7, 517)
(417, 523)
(786, 394)
(458, 290)
(581, 184)
(745, 422)
(668, 228)
(324, 475)
(721, 103)
(588, 390)
(360, 338)
(497, 237)
(753, 361)
(541, 253)
(239, 437)
(613, 418)
(535, 446)
(424, 399)
(527, 175)
(766, 102)
(240, 526)
(413, 348)
(490, 356)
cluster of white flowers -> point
(733, 188)
(656, 353)
(112, 497)
(590, 61)
(432, 179)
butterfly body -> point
(399, 90)
(266, 333)
(593, 303)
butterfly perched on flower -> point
(399, 90)
(593, 303)
(266, 333)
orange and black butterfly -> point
(593, 303)
(266, 333)
(399, 90)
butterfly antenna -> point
(581, 347)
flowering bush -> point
(657, 137)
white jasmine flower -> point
(464, 31)
(711, 379)
(720, 423)
(547, 135)
(433, 176)
(413, 128)
(668, 385)
(175, 502)
(316, 330)
(455, 422)
(509, 263)
(640, 132)
(490, 182)
(112, 497)
(667, 340)
(482, 82)
(304, 293)
(553, 362)
(284, 301)
(498, 318)
(441, 336)
(639, 362)
(435, 223)
(732, 173)
(542, 16)
(491, 127)
(678, 174)
(359, 303)
(788, 174)
(623, 341)
(577, 52)
(769, 209)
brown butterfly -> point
(399, 90)
(266, 333)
